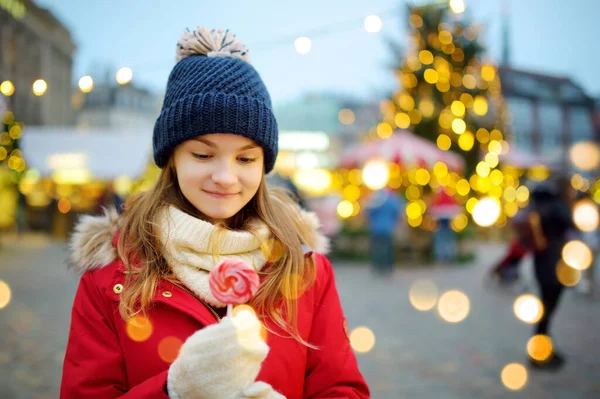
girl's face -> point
(219, 173)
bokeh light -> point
(426, 57)
(64, 205)
(457, 6)
(585, 155)
(585, 215)
(7, 88)
(402, 120)
(431, 76)
(373, 24)
(466, 141)
(459, 126)
(302, 45)
(39, 87)
(480, 105)
(376, 174)
(483, 169)
(362, 339)
(458, 108)
(514, 376)
(567, 275)
(427, 107)
(459, 223)
(539, 347)
(528, 308)
(440, 169)
(168, 349)
(422, 176)
(139, 328)
(351, 192)
(577, 254)
(345, 209)
(454, 306)
(423, 295)
(486, 211)
(488, 73)
(444, 142)
(346, 116)
(86, 84)
(385, 130)
(5, 294)
(124, 75)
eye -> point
(246, 160)
(200, 156)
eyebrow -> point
(213, 145)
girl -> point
(145, 323)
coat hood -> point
(92, 242)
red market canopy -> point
(526, 160)
(403, 148)
(444, 206)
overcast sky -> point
(552, 36)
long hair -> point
(286, 276)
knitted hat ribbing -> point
(212, 89)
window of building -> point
(550, 126)
(580, 124)
(522, 126)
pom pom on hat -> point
(211, 43)
(214, 89)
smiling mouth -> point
(220, 195)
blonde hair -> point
(287, 276)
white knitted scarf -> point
(187, 248)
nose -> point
(225, 174)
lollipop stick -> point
(229, 310)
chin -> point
(217, 214)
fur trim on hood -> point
(91, 244)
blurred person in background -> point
(551, 224)
(384, 211)
(443, 209)
(507, 269)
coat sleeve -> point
(332, 370)
(93, 366)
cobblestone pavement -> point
(416, 354)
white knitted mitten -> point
(261, 390)
(217, 362)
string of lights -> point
(372, 24)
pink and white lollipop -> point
(233, 282)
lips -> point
(217, 194)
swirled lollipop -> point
(233, 282)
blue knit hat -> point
(213, 89)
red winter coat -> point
(102, 361)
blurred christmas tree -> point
(449, 94)
(10, 153)
(12, 166)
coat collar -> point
(93, 243)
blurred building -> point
(597, 115)
(35, 45)
(550, 113)
(315, 128)
(110, 105)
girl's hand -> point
(218, 361)
(261, 390)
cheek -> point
(253, 178)
(188, 175)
